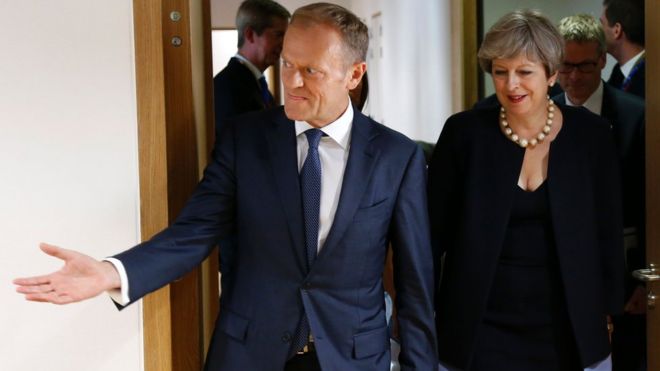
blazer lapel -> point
(498, 165)
(359, 167)
(281, 140)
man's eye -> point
(310, 71)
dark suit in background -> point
(251, 189)
(235, 91)
(625, 112)
(472, 183)
(637, 83)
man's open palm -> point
(82, 277)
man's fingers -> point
(34, 289)
(32, 281)
(51, 297)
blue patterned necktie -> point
(265, 93)
(310, 185)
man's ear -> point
(356, 71)
(249, 34)
(617, 31)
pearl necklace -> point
(524, 143)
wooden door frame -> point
(175, 130)
(652, 33)
(465, 23)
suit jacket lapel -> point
(282, 148)
(498, 168)
(359, 167)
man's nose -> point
(292, 79)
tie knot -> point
(313, 137)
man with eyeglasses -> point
(580, 77)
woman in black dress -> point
(525, 212)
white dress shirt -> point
(594, 103)
(628, 66)
(244, 61)
(333, 153)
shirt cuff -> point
(120, 295)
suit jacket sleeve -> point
(413, 270)
(443, 189)
(207, 215)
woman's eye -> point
(500, 72)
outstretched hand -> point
(82, 277)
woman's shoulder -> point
(581, 119)
(473, 119)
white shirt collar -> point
(628, 66)
(255, 71)
(339, 130)
(594, 103)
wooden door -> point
(175, 129)
(653, 175)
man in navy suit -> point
(623, 22)
(241, 86)
(579, 76)
(315, 192)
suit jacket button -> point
(286, 337)
(307, 285)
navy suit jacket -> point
(472, 180)
(251, 188)
(625, 113)
(235, 91)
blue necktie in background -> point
(310, 184)
(265, 93)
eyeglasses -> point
(585, 67)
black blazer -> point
(472, 179)
(235, 91)
(625, 113)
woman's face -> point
(521, 85)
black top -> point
(527, 289)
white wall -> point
(412, 80)
(554, 10)
(68, 159)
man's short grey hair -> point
(583, 28)
(258, 15)
(353, 31)
(525, 32)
